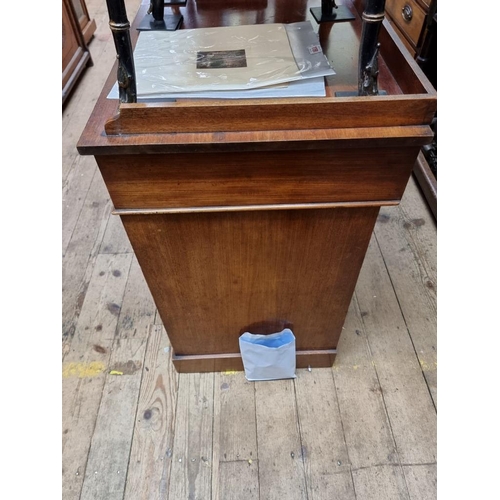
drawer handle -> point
(407, 13)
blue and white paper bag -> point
(268, 357)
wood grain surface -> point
(273, 177)
(372, 420)
(223, 273)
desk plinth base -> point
(233, 362)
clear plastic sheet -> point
(227, 58)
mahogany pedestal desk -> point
(255, 215)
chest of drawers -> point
(415, 21)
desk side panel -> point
(216, 275)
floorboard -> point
(405, 393)
(191, 461)
(152, 443)
(406, 237)
(133, 429)
(235, 459)
(281, 458)
(323, 446)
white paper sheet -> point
(309, 87)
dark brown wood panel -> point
(214, 275)
(272, 114)
(190, 180)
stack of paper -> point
(264, 60)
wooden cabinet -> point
(257, 216)
(415, 21)
(409, 20)
(75, 54)
(86, 24)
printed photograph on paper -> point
(221, 59)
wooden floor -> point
(134, 429)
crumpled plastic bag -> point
(268, 357)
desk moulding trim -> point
(252, 208)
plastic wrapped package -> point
(227, 58)
(308, 87)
